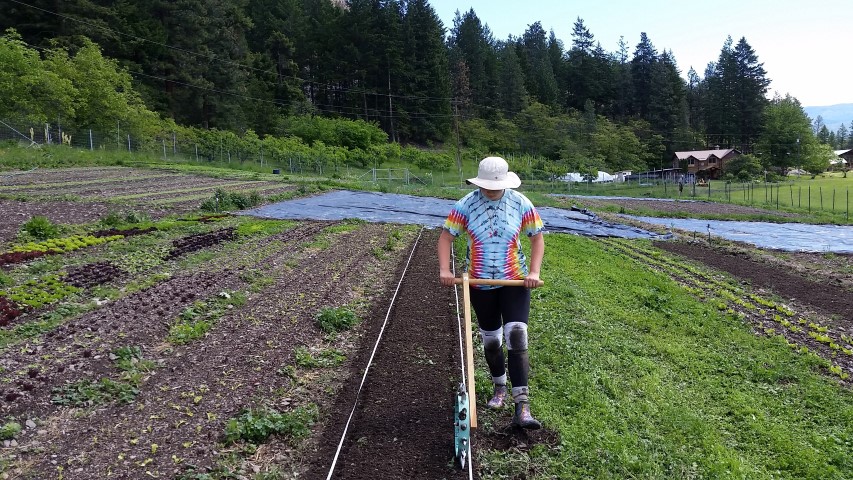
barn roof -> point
(704, 154)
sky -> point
(806, 46)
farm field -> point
(201, 346)
(82, 195)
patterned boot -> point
(498, 398)
(523, 418)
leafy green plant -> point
(326, 358)
(9, 430)
(39, 292)
(87, 393)
(40, 228)
(197, 319)
(129, 359)
(332, 320)
(257, 425)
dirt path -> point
(403, 426)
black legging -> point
(495, 308)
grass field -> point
(642, 380)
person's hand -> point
(446, 278)
(532, 280)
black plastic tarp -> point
(431, 212)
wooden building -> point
(704, 164)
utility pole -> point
(458, 151)
(390, 106)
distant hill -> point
(833, 115)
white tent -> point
(577, 177)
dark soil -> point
(192, 243)
(831, 300)
(92, 274)
(403, 426)
(14, 213)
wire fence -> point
(170, 148)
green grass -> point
(643, 381)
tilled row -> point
(81, 347)
(183, 406)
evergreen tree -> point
(580, 69)
(695, 99)
(512, 95)
(823, 135)
(751, 85)
(818, 124)
(642, 66)
(668, 104)
(471, 44)
(426, 115)
(539, 77)
(736, 100)
(841, 137)
(620, 69)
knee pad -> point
(516, 336)
(492, 340)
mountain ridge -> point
(833, 115)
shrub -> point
(111, 220)
(333, 320)
(41, 228)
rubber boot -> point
(523, 418)
(498, 398)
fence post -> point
(128, 143)
(709, 189)
(792, 195)
(848, 204)
(800, 196)
(196, 152)
(174, 144)
(810, 199)
(820, 194)
(833, 200)
(164, 149)
(777, 196)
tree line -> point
(255, 65)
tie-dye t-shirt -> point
(493, 227)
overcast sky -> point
(806, 46)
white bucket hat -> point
(494, 174)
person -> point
(493, 217)
(680, 184)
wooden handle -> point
(501, 283)
(469, 351)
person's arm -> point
(537, 251)
(445, 244)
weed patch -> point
(255, 426)
(333, 320)
(196, 320)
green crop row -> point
(62, 245)
(38, 292)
